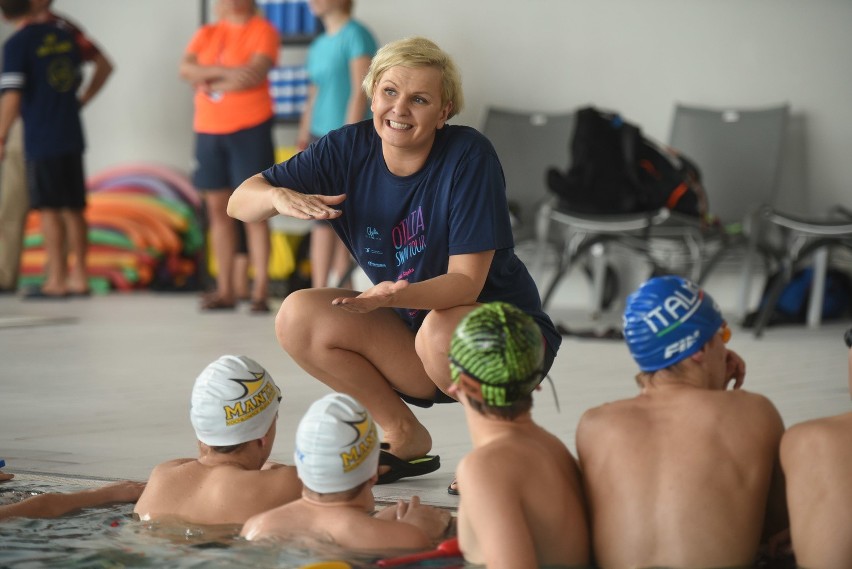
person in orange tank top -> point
(227, 63)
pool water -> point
(110, 537)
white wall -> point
(144, 113)
(635, 56)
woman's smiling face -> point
(407, 107)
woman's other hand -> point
(380, 296)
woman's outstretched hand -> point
(379, 296)
(306, 206)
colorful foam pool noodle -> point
(173, 177)
(143, 221)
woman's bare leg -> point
(223, 241)
(258, 247)
(366, 356)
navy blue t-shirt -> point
(407, 227)
(43, 62)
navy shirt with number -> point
(407, 227)
(43, 62)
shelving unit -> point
(290, 39)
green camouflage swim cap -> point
(501, 348)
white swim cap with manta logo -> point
(234, 400)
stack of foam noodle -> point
(144, 231)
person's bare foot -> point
(51, 288)
(77, 285)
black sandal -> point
(216, 303)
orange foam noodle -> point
(143, 229)
(37, 258)
(140, 202)
(32, 222)
(114, 275)
(145, 258)
(137, 233)
(128, 227)
(159, 231)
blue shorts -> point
(224, 161)
(57, 182)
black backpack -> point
(614, 169)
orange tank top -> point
(228, 44)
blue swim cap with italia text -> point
(668, 319)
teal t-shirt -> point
(328, 69)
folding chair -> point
(586, 234)
(527, 143)
(738, 152)
(804, 238)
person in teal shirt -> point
(337, 62)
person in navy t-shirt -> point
(421, 205)
(41, 75)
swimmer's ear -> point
(698, 357)
(264, 441)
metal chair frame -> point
(749, 140)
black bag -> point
(614, 169)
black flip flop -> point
(36, 293)
(214, 303)
(400, 468)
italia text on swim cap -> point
(673, 311)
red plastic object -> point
(447, 548)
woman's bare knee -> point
(437, 330)
(307, 318)
(432, 342)
(293, 321)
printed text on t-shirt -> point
(409, 237)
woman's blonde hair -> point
(418, 52)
